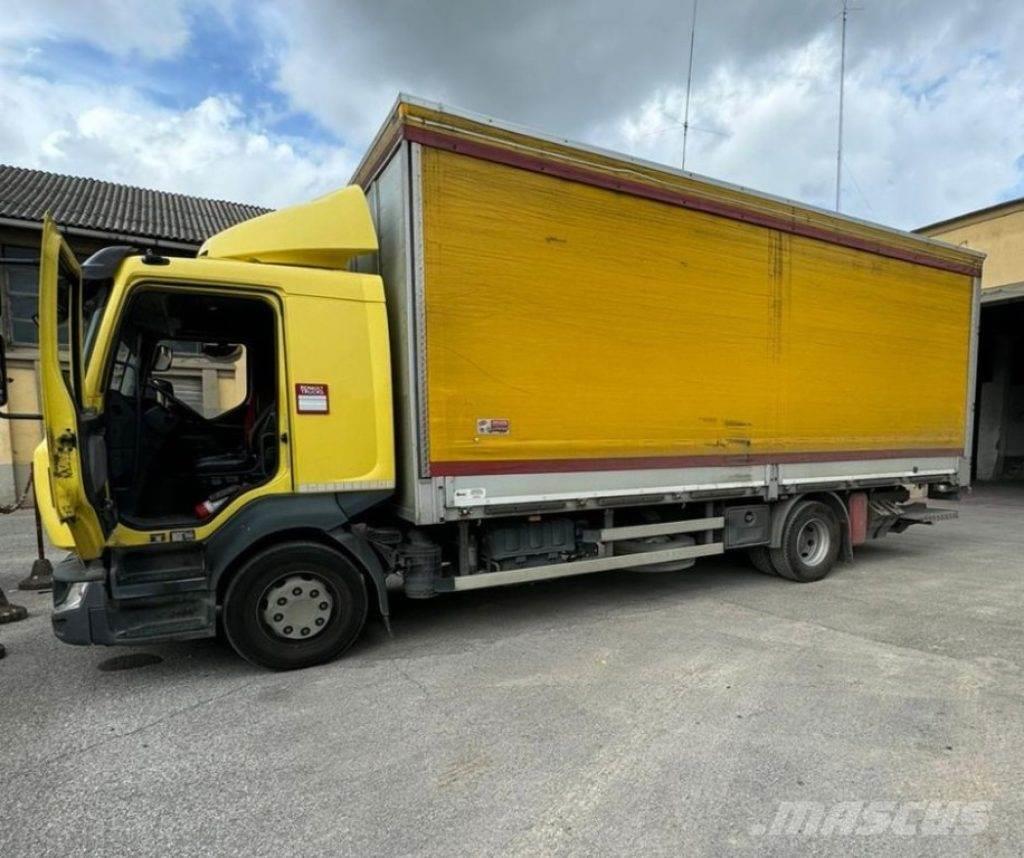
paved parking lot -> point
(606, 715)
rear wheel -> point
(761, 560)
(810, 543)
(295, 605)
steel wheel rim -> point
(813, 542)
(297, 606)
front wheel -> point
(810, 543)
(295, 605)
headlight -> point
(73, 597)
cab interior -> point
(170, 459)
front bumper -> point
(84, 612)
(78, 593)
(72, 618)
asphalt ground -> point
(693, 713)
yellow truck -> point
(496, 357)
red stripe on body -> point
(499, 155)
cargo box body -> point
(573, 328)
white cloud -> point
(765, 84)
(934, 123)
(910, 156)
(148, 28)
(211, 149)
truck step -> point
(137, 574)
(919, 513)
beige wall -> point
(231, 384)
(21, 436)
(1000, 234)
(999, 419)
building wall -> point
(221, 383)
(999, 416)
(999, 234)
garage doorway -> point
(999, 405)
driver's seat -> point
(244, 461)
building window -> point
(186, 348)
(21, 297)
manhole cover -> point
(129, 662)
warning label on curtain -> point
(312, 399)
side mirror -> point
(163, 358)
(3, 371)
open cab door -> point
(77, 456)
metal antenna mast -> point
(689, 79)
(842, 81)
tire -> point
(295, 605)
(810, 543)
(761, 560)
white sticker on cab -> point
(312, 398)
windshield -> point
(94, 301)
(125, 375)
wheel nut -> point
(305, 631)
(313, 594)
(278, 617)
(297, 591)
(287, 630)
(319, 621)
(323, 606)
(282, 601)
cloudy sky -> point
(273, 102)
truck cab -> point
(161, 504)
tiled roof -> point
(109, 207)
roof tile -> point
(109, 207)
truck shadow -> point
(450, 623)
(495, 613)
(456, 622)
